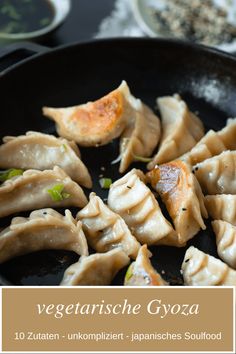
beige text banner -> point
(117, 319)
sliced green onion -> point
(45, 21)
(65, 195)
(105, 182)
(63, 148)
(129, 273)
(10, 11)
(8, 174)
(141, 158)
(57, 193)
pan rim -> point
(226, 57)
(111, 41)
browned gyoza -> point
(94, 123)
(182, 195)
(99, 122)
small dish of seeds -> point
(210, 22)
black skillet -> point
(205, 78)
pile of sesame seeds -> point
(195, 20)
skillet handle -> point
(17, 52)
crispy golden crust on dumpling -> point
(141, 272)
(97, 269)
(43, 229)
(95, 123)
(182, 196)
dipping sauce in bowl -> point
(22, 16)
(30, 19)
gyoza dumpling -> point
(226, 241)
(97, 269)
(222, 207)
(182, 195)
(217, 174)
(134, 202)
(39, 189)
(42, 152)
(181, 129)
(213, 143)
(200, 269)
(105, 229)
(44, 229)
(140, 137)
(96, 123)
(141, 272)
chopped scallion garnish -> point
(105, 182)
(63, 148)
(8, 174)
(57, 193)
(129, 273)
(45, 21)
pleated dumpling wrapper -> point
(99, 122)
(96, 269)
(39, 151)
(141, 272)
(182, 195)
(221, 207)
(201, 269)
(216, 175)
(43, 230)
(105, 229)
(212, 144)
(139, 138)
(182, 129)
(135, 203)
(225, 241)
(39, 189)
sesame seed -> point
(191, 20)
